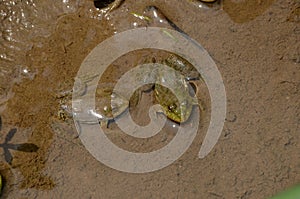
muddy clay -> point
(257, 50)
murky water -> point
(42, 46)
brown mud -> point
(256, 46)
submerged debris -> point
(107, 5)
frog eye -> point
(172, 107)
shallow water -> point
(255, 46)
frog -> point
(169, 103)
(184, 80)
(176, 108)
(183, 66)
(103, 107)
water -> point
(24, 24)
(42, 45)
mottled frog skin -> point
(184, 67)
(175, 107)
(104, 107)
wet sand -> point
(257, 53)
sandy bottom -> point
(256, 47)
